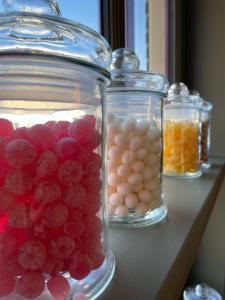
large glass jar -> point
(181, 133)
(53, 230)
(134, 144)
(201, 291)
(206, 111)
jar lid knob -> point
(202, 291)
(178, 89)
(45, 7)
(125, 59)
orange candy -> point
(180, 154)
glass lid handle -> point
(202, 291)
(178, 89)
(44, 7)
(124, 59)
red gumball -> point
(46, 165)
(81, 130)
(61, 246)
(74, 196)
(6, 127)
(67, 148)
(80, 269)
(8, 244)
(56, 215)
(50, 124)
(94, 141)
(42, 136)
(74, 228)
(12, 266)
(58, 287)
(91, 119)
(6, 200)
(7, 283)
(53, 266)
(47, 192)
(20, 153)
(19, 216)
(18, 182)
(3, 143)
(92, 204)
(32, 255)
(31, 284)
(60, 129)
(97, 260)
(21, 133)
(70, 172)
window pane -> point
(82, 11)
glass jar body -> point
(53, 234)
(181, 148)
(134, 147)
(205, 138)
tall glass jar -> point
(181, 133)
(53, 230)
(206, 111)
(134, 144)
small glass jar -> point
(134, 144)
(181, 133)
(206, 111)
(53, 230)
(201, 291)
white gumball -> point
(156, 133)
(112, 166)
(142, 153)
(156, 148)
(128, 126)
(135, 143)
(128, 157)
(121, 211)
(123, 170)
(151, 160)
(110, 210)
(137, 166)
(135, 178)
(124, 188)
(115, 199)
(142, 127)
(150, 185)
(156, 171)
(121, 140)
(138, 187)
(141, 209)
(131, 201)
(114, 180)
(115, 152)
(113, 128)
(144, 196)
(147, 173)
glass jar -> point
(181, 133)
(206, 111)
(53, 230)
(134, 144)
(201, 291)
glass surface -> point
(53, 227)
(201, 291)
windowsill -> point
(154, 262)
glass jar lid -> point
(126, 75)
(201, 292)
(207, 106)
(179, 95)
(36, 27)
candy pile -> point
(180, 151)
(49, 196)
(133, 160)
(205, 142)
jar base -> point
(206, 165)
(184, 175)
(150, 218)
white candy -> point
(128, 126)
(156, 171)
(155, 148)
(156, 195)
(128, 157)
(113, 128)
(154, 204)
(124, 188)
(110, 210)
(156, 132)
(142, 127)
(144, 196)
(121, 140)
(123, 170)
(151, 160)
(121, 211)
(135, 143)
(141, 209)
(135, 178)
(110, 118)
(131, 201)
(150, 185)
(142, 153)
(147, 173)
(114, 152)
(149, 137)
(137, 166)
(112, 165)
(114, 180)
(137, 188)
(115, 199)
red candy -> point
(32, 255)
(7, 283)
(82, 130)
(20, 153)
(67, 148)
(60, 129)
(52, 266)
(31, 284)
(93, 142)
(70, 172)
(42, 136)
(6, 200)
(74, 228)
(46, 165)
(21, 133)
(6, 127)
(92, 204)
(58, 287)
(56, 215)
(74, 196)
(91, 119)
(18, 182)
(3, 143)
(12, 266)
(47, 192)
(8, 244)
(19, 216)
(61, 246)
(81, 268)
